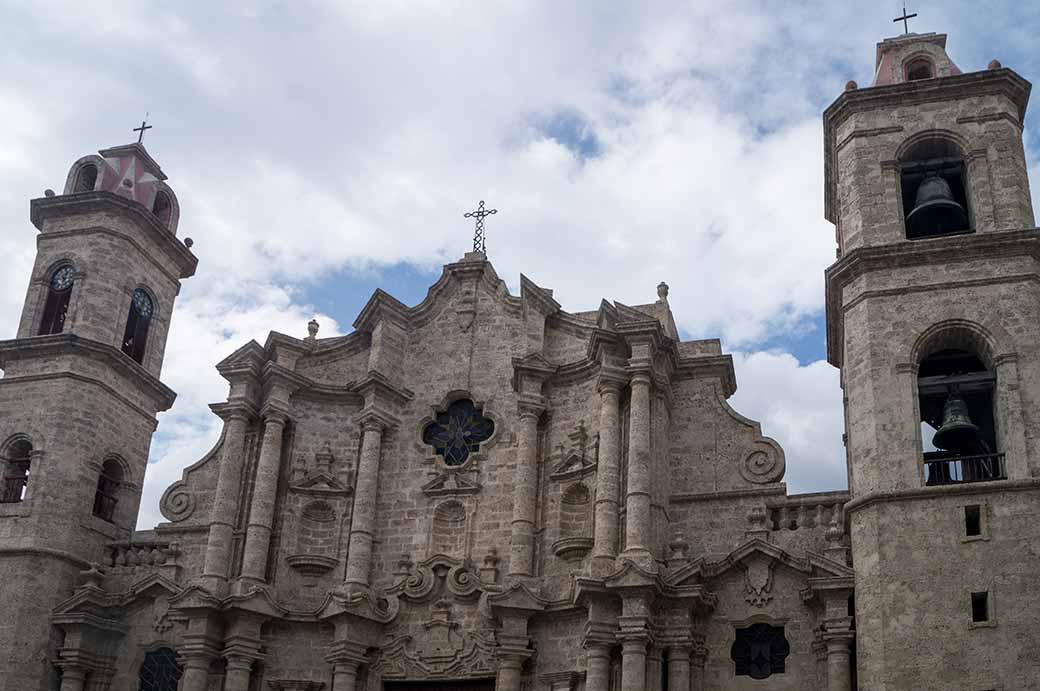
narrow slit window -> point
(972, 520)
(135, 337)
(56, 307)
(980, 607)
(106, 494)
(15, 466)
(86, 179)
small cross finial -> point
(144, 126)
(480, 214)
(905, 19)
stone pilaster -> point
(362, 525)
(525, 490)
(346, 658)
(261, 513)
(608, 478)
(72, 678)
(637, 498)
(225, 500)
(236, 676)
(654, 662)
(698, 660)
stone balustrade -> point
(801, 511)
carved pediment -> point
(320, 483)
(450, 483)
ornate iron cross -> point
(144, 126)
(478, 236)
(905, 19)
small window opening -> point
(56, 307)
(86, 179)
(760, 651)
(135, 336)
(958, 430)
(105, 496)
(15, 466)
(934, 188)
(972, 520)
(162, 208)
(159, 671)
(980, 607)
(921, 68)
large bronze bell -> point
(935, 212)
(957, 433)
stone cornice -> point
(1002, 81)
(996, 486)
(913, 253)
(376, 383)
(44, 208)
(713, 366)
(230, 409)
(70, 344)
(539, 297)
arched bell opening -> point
(958, 426)
(919, 68)
(934, 188)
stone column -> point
(72, 679)
(196, 672)
(236, 677)
(261, 513)
(633, 664)
(525, 492)
(654, 660)
(608, 480)
(637, 498)
(225, 500)
(508, 678)
(679, 668)
(838, 676)
(597, 667)
(362, 523)
(344, 676)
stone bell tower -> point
(933, 316)
(79, 395)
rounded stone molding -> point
(764, 463)
(178, 502)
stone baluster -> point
(225, 499)
(261, 514)
(362, 525)
(608, 479)
(525, 491)
(679, 667)
(637, 497)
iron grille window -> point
(55, 309)
(159, 671)
(135, 337)
(458, 431)
(760, 651)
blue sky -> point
(322, 149)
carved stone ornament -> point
(579, 460)
(758, 580)
(764, 463)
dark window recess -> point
(458, 432)
(56, 307)
(935, 201)
(15, 467)
(972, 520)
(980, 607)
(159, 671)
(760, 651)
(105, 496)
(135, 337)
(162, 208)
(919, 69)
(86, 178)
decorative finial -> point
(188, 242)
(994, 64)
(851, 85)
(478, 236)
(905, 19)
(312, 329)
(144, 126)
(662, 291)
(48, 192)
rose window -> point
(458, 432)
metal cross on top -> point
(144, 126)
(905, 19)
(478, 236)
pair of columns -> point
(640, 666)
(195, 674)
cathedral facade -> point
(485, 491)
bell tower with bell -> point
(933, 317)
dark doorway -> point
(466, 685)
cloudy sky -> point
(322, 149)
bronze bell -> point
(935, 212)
(957, 433)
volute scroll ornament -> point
(763, 464)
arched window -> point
(934, 187)
(159, 671)
(919, 68)
(106, 494)
(135, 337)
(14, 464)
(56, 307)
(162, 208)
(86, 178)
(958, 431)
